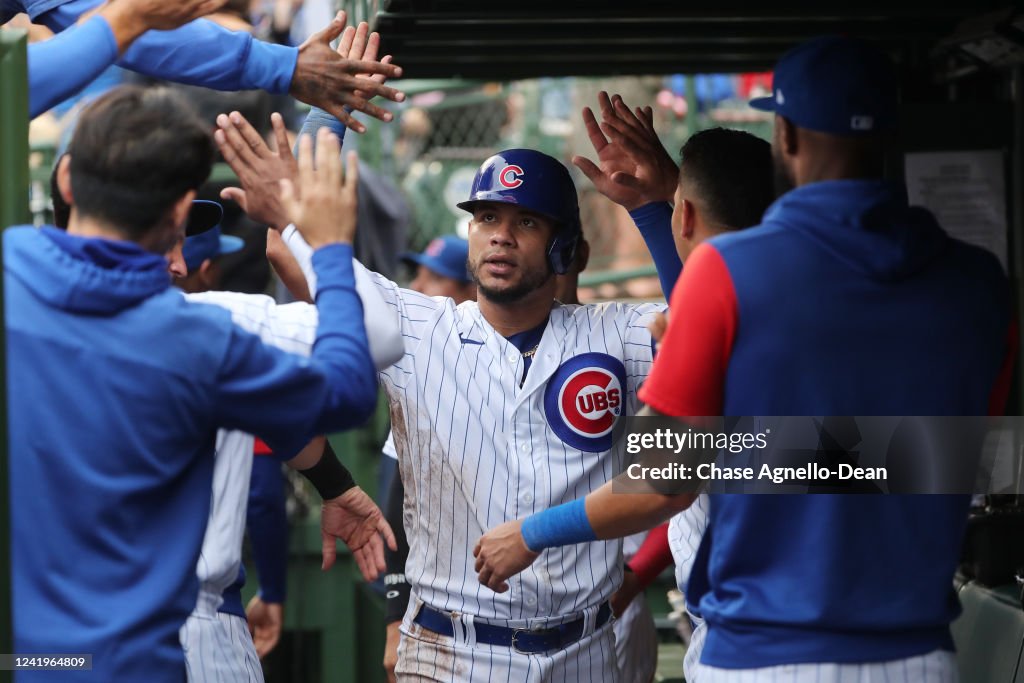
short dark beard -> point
(531, 282)
(784, 181)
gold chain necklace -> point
(531, 353)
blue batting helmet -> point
(540, 183)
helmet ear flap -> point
(562, 251)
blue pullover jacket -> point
(116, 388)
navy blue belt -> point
(523, 640)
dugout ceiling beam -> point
(532, 38)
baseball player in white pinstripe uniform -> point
(500, 408)
(218, 646)
(684, 533)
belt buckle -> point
(515, 645)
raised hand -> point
(333, 81)
(259, 169)
(633, 166)
(354, 518)
(326, 211)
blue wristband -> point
(565, 524)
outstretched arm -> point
(207, 54)
(63, 65)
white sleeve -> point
(292, 327)
(413, 310)
(303, 253)
(381, 321)
(289, 327)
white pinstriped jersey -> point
(476, 449)
(684, 533)
(292, 328)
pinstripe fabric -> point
(935, 667)
(224, 656)
(684, 533)
(219, 649)
(476, 449)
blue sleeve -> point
(655, 223)
(198, 53)
(60, 67)
(317, 119)
(267, 526)
(285, 399)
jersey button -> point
(527, 498)
(525, 447)
(511, 358)
(531, 601)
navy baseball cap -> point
(203, 215)
(836, 85)
(208, 245)
(445, 256)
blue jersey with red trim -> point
(845, 301)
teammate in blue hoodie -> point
(117, 387)
(199, 53)
(844, 301)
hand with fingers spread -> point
(501, 553)
(326, 211)
(354, 518)
(335, 82)
(633, 166)
(259, 169)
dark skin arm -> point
(326, 79)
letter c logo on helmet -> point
(511, 176)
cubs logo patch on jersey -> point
(583, 400)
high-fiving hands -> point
(633, 166)
(345, 79)
(326, 211)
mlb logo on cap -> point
(834, 85)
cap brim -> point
(229, 244)
(412, 258)
(202, 216)
(763, 103)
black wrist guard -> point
(396, 600)
(329, 477)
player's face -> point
(508, 251)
